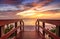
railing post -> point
(20, 25)
(58, 30)
(23, 26)
(7, 25)
(0, 32)
(38, 25)
(43, 30)
(15, 27)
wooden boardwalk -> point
(28, 35)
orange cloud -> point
(41, 4)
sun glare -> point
(27, 13)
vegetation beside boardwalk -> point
(54, 31)
(8, 29)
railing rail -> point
(9, 33)
(3, 22)
(54, 22)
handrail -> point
(3, 22)
(50, 33)
(51, 21)
(9, 33)
(41, 35)
(54, 22)
(8, 21)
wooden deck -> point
(28, 35)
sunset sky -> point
(39, 10)
(42, 9)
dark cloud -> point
(43, 3)
(11, 1)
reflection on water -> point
(29, 22)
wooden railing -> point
(5, 22)
(21, 26)
(42, 35)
